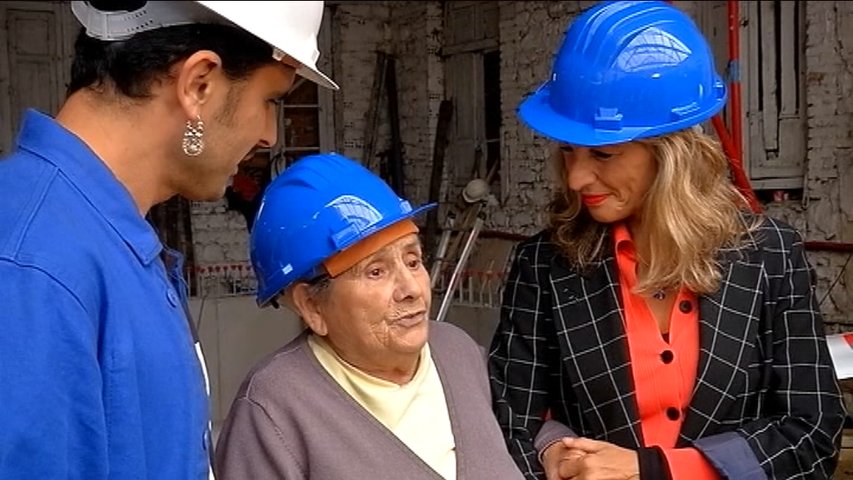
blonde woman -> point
(655, 329)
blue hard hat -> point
(316, 208)
(625, 71)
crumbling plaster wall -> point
(828, 195)
(417, 37)
(359, 30)
(530, 34)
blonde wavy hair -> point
(691, 212)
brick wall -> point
(530, 34)
(417, 34)
(359, 30)
(219, 235)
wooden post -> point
(442, 129)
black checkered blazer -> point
(764, 379)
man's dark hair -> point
(132, 65)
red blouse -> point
(664, 372)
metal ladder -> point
(466, 219)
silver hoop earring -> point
(193, 143)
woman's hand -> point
(556, 454)
(587, 459)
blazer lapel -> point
(588, 317)
(728, 330)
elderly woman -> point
(372, 389)
(656, 329)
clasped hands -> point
(587, 459)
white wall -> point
(235, 334)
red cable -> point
(735, 149)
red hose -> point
(735, 155)
(733, 144)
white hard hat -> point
(291, 28)
(476, 190)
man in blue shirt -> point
(99, 378)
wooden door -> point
(36, 45)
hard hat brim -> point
(538, 114)
(307, 68)
(317, 77)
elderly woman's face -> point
(379, 309)
(612, 180)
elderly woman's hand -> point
(595, 460)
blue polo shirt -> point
(99, 378)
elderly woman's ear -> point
(306, 304)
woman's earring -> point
(193, 143)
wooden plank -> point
(792, 152)
(751, 67)
(789, 59)
(473, 46)
(751, 64)
(770, 109)
(775, 117)
(461, 24)
(445, 110)
(368, 156)
(395, 158)
(467, 114)
(33, 62)
(50, 62)
(478, 90)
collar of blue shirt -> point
(41, 135)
